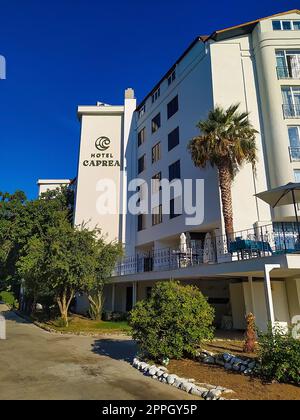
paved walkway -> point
(35, 364)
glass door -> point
(293, 64)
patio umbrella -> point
(281, 196)
(183, 244)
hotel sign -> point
(102, 144)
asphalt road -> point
(37, 365)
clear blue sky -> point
(62, 53)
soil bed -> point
(245, 388)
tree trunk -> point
(96, 305)
(63, 303)
(225, 180)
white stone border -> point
(161, 374)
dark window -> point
(173, 139)
(142, 164)
(174, 171)
(173, 208)
(173, 107)
(141, 222)
(141, 136)
(157, 215)
(171, 78)
(156, 95)
(276, 25)
(286, 25)
(156, 153)
(156, 123)
(148, 292)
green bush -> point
(280, 356)
(8, 298)
(173, 322)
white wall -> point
(233, 75)
(241, 302)
(194, 88)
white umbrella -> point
(183, 245)
(281, 196)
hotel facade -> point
(256, 64)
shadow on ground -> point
(124, 350)
(12, 316)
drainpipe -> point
(268, 292)
(113, 297)
(250, 281)
(134, 294)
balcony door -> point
(288, 64)
(291, 101)
(294, 137)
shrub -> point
(8, 298)
(280, 356)
(173, 322)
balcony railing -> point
(248, 244)
(284, 72)
(294, 154)
(291, 111)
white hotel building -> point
(256, 64)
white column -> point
(250, 280)
(2, 328)
(268, 292)
(134, 293)
(113, 297)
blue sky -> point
(62, 53)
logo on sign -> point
(102, 143)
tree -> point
(173, 322)
(226, 141)
(107, 255)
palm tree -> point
(226, 141)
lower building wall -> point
(293, 293)
(241, 301)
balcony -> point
(244, 245)
(285, 72)
(294, 154)
(291, 111)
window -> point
(156, 153)
(143, 191)
(141, 222)
(276, 25)
(297, 175)
(148, 292)
(173, 139)
(142, 164)
(286, 25)
(294, 137)
(142, 111)
(156, 95)
(173, 107)
(175, 207)
(156, 183)
(156, 123)
(172, 78)
(291, 101)
(141, 136)
(288, 64)
(174, 171)
(157, 215)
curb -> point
(206, 391)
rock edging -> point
(161, 374)
(229, 362)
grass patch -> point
(80, 324)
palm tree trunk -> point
(225, 180)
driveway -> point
(35, 364)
